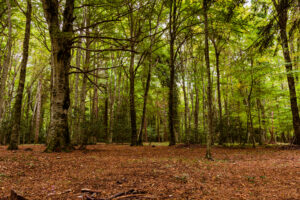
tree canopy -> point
(77, 72)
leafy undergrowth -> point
(161, 172)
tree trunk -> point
(83, 125)
(132, 103)
(190, 90)
(250, 108)
(209, 88)
(105, 117)
(131, 79)
(186, 110)
(282, 11)
(222, 137)
(38, 112)
(7, 59)
(61, 42)
(17, 110)
(140, 139)
(76, 128)
(196, 114)
(172, 32)
(272, 140)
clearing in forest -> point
(159, 172)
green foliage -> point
(253, 82)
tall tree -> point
(153, 37)
(173, 16)
(7, 59)
(83, 129)
(282, 7)
(209, 83)
(17, 110)
(61, 41)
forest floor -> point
(158, 172)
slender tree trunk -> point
(61, 42)
(38, 112)
(282, 10)
(203, 107)
(222, 138)
(186, 110)
(7, 60)
(95, 96)
(190, 91)
(196, 114)
(17, 110)
(140, 140)
(113, 98)
(260, 141)
(132, 80)
(172, 32)
(209, 88)
(272, 140)
(105, 117)
(76, 127)
(83, 124)
(27, 115)
(132, 101)
(250, 108)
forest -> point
(155, 86)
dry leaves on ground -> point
(160, 173)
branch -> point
(92, 70)
(90, 80)
(95, 24)
(103, 50)
(20, 7)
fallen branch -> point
(86, 190)
(130, 194)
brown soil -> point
(161, 172)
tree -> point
(209, 87)
(282, 7)
(7, 59)
(14, 139)
(61, 42)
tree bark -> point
(209, 88)
(132, 79)
(17, 110)
(7, 59)
(38, 112)
(186, 109)
(83, 125)
(172, 32)
(61, 42)
(105, 116)
(140, 139)
(282, 11)
(222, 137)
(196, 114)
(76, 127)
(132, 99)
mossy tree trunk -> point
(61, 41)
(17, 109)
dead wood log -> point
(15, 196)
